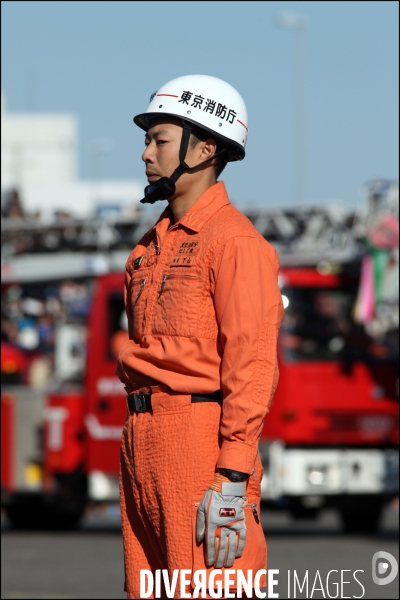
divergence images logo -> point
(380, 568)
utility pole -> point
(297, 24)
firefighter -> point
(200, 365)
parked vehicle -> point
(331, 437)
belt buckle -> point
(140, 402)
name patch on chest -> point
(185, 253)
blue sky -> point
(102, 60)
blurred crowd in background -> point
(30, 315)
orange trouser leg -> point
(168, 459)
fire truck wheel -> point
(302, 512)
(364, 517)
(34, 512)
(42, 517)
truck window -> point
(318, 325)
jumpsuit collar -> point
(202, 210)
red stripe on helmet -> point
(242, 124)
(172, 95)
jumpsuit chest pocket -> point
(138, 292)
(178, 304)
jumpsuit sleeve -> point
(249, 312)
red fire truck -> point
(330, 438)
(60, 443)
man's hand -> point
(221, 522)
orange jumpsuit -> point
(204, 310)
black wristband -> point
(234, 475)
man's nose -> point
(147, 155)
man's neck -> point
(181, 203)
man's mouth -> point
(152, 176)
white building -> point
(39, 158)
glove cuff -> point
(232, 488)
(224, 486)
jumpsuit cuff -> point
(237, 456)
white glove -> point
(221, 522)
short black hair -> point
(199, 135)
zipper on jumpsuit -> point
(142, 284)
(158, 245)
(171, 275)
(158, 252)
(255, 514)
(164, 279)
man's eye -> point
(158, 142)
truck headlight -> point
(316, 475)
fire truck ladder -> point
(307, 235)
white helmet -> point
(208, 103)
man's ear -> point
(209, 149)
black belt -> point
(142, 402)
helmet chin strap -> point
(165, 187)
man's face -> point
(161, 155)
